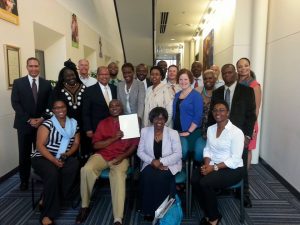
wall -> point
(55, 17)
(280, 117)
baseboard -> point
(9, 174)
(293, 190)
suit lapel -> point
(235, 96)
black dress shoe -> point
(24, 186)
(149, 218)
(82, 215)
(247, 202)
(203, 221)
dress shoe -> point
(203, 221)
(117, 223)
(82, 215)
(24, 186)
(247, 202)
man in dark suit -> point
(241, 101)
(29, 99)
(141, 75)
(95, 101)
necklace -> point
(158, 137)
(205, 93)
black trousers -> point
(26, 142)
(86, 148)
(155, 186)
(58, 182)
(204, 188)
(245, 177)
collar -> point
(231, 87)
(229, 125)
(84, 77)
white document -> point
(129, 124)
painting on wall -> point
(208, 50)
(9, 11)
(12, 58)
(74, 29)
(100, 48)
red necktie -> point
(196, 83)
(34, 90)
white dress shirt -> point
(227, 148)
(87, 81)
(219, 83)
(104, 90)
(30, 78)
(200, 82)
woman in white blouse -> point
(223, 164)
(157, 95)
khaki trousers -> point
(117, 178)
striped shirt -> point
(54, 140)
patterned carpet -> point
(273, 204)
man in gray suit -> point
(131, 92)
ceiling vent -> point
(163, 21)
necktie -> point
(196, 83)
(106, 95)
(227, 96)
(173, 88)
(34, 90)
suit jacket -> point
(23, 103)
(136, 97)
(149, 83)
(94, 108)
(242, 112)
(171, 148)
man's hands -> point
(206, 169)
(35, 122)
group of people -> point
(181, 113)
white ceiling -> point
(184, 17)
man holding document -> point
(111, 151)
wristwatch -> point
(216, 168)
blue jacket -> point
(191, 109)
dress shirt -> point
(200, 82)
(227, 148)
(30, 78)
(231, 88)
(145, 84)
(219, 83)
(104, 91)
(87, 81)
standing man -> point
(172, 84)
(241, 103)
(84, 67)
(196, 70)
(219, 81)
(142, 73)
(29, 99)
(95, 101)
(164, 66)
(113, 72)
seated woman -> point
(57, 143)
(223, 164)
(187, 112)
(160, 151)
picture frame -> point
(12, 61)
(208, 50)
(9, 11)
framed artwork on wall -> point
(208, 50)
(12, 59)
(74, 30)
(9, 11)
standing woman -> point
(223, 163)
(70, 88)
(131, 92)
(57, 142)
(160, 151)
(247, 78)
(209, 80)
(187, 112)
(157, 95)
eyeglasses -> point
(219, 110)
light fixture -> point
(172, 39)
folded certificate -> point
(129, 124)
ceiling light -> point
(172, 39)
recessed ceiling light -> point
(172, 39)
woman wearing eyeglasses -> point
(223, 164)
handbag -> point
(173, 216)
